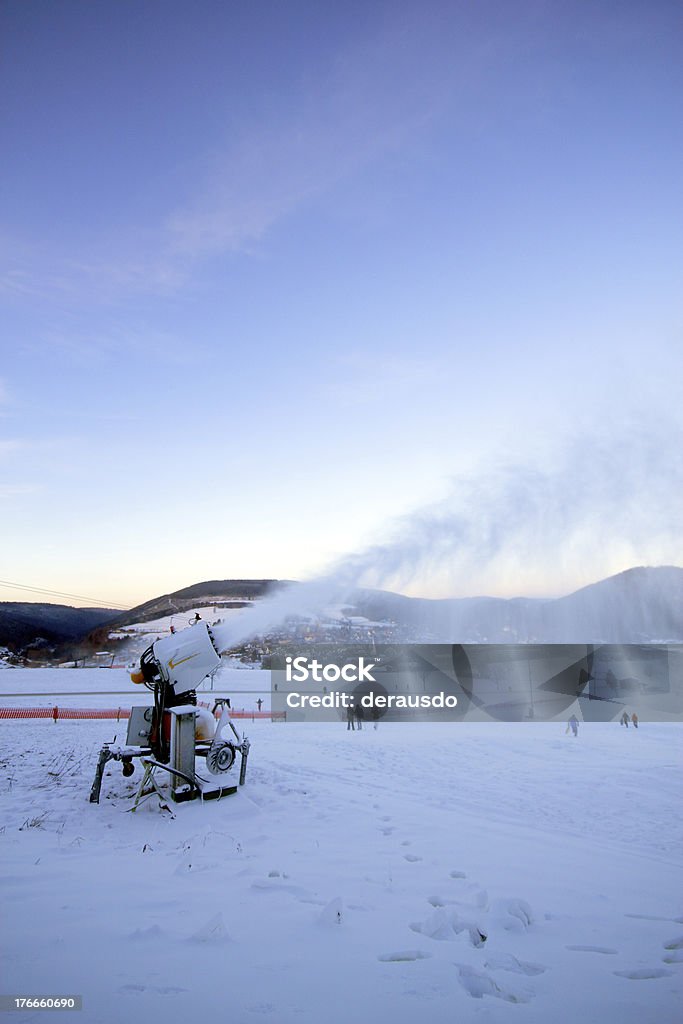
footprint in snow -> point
(403, 956)
(508, 962)
(675, 947)
(644, 973)
(675, 951)
(154, 932)
(477, 919)
(332, 913)
(592, 949)
(214, 931)
(275, 885)
(412, 857)
(447, 923)
(654, 917)
(513, 915)
(479, 984)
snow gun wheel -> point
(221, 759)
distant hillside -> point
(230, 593)
(23, 622)
(638, 605)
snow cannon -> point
(180, 661)
(173, 734)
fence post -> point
(55, 714)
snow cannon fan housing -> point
(181, 660)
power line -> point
(59, 593)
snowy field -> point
(112, 688)
(443, 873)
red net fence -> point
(56, 713)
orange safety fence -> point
(118, 713)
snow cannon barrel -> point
(185, 659)
(180, 661)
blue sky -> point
(275, 276)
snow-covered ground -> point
(112, 688)
(353, 878)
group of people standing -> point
(355, 716)
(625, 719)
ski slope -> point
(462, 872)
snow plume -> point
(299, 599)
(594, 507)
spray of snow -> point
(594, 505)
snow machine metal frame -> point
(172, 668)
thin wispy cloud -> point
(374, 99)
(99, 347)
(419, 68)
(94, 272)
(10, 447)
